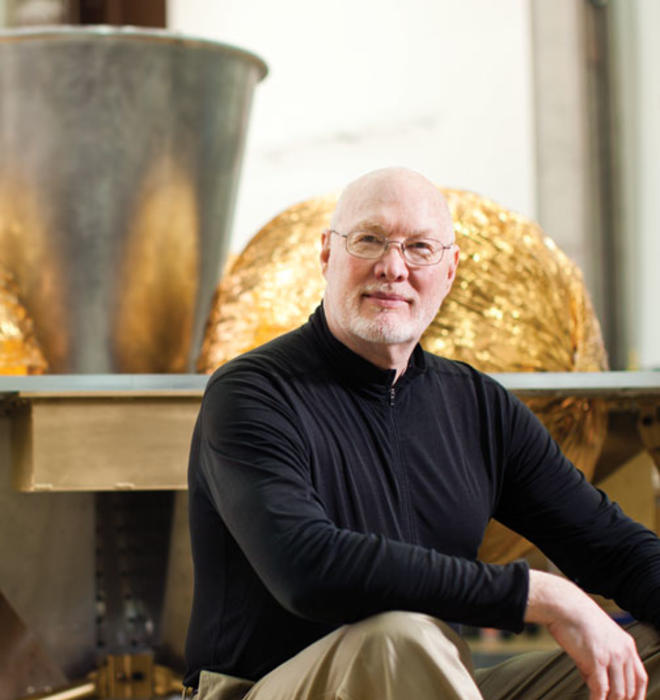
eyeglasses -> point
(416, 251)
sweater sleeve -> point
(254, 460)
(547, 500)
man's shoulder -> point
(461, 374)
(289, 355)
(475, 394)
(453, 368)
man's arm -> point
(548, 501)
(603, 652)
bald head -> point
(394, 186)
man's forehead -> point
(396, 199)
(383, 226)
(393, 192)
(409, 214)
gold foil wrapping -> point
(19, 351)
(27, 249)
(518, 305)
(158, 282)
(272, 287)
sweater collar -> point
(353, 368)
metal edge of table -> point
(539, 383)
(102, 384)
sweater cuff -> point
(521, 593)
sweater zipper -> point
(400, 468)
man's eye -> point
(420, 246)
(366, 239)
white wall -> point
(638, 58)
(649, 170)
(437, 85)
(563, 158)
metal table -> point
(92, 432)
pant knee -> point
(409, 651)
(393, 625)
(403, 629)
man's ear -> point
(453, 265)
(325, 249)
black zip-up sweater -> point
(321, 493)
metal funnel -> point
(120, 154)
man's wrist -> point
(551, 598)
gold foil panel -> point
(27, 251)
(19, 351)
(159, 276)
(518, 304)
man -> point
(340, 483)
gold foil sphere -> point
(272, 287)
(518, 304)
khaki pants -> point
(410, 656)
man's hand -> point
(604, 653)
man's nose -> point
(391, 265)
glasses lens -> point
(423, 251)
(365, 245)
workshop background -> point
(549, 107)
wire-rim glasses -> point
(416, 251)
